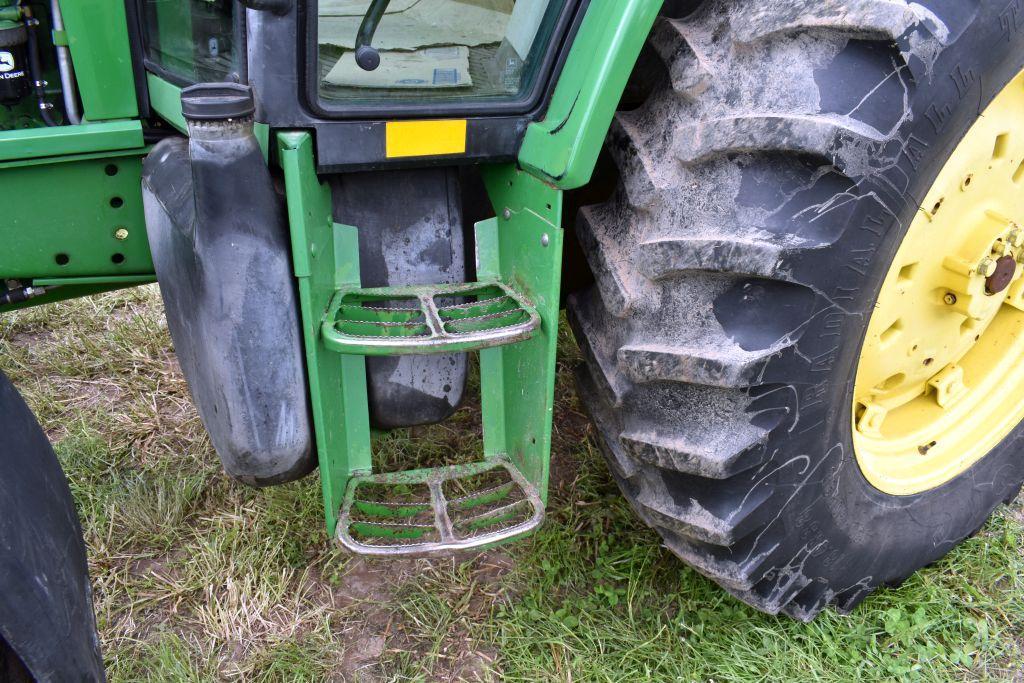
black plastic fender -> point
(219, 237)
(46, 614)
(410, 233)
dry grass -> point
(199, 578)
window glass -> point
(192, 40)
(432, 50)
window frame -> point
(524, 103)
(239, 74)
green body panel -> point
(325, 257)
(77, 236)
(41, 143)
(563, 148)
(165, 101)
(98, 36)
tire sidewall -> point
(845, 525)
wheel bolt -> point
(1015, 238)
(987, 267)
(950, 298)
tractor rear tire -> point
(765, 186)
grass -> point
(198, 578)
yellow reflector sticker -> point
(425, 138)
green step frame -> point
(521, 248)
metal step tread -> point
(439, 510)
(421, 319)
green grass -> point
(199, 578)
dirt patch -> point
(359, 663)
(370, 580)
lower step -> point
(439, 510)
(391, 321)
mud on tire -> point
(766, 184)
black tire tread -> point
(661, 253)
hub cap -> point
(940, 381)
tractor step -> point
(509, 315)
(390, 321)
(438, 510)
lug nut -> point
(1015, 238)
(987, 267)
(950, 298)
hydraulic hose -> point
(66, 69)
(35, 68)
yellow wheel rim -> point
(940, 380)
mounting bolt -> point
(507, 213)
(545, 240)
(950, 298)
(121, 234)
(1015, 238)
(987, 267)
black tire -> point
(766, 185)
(12, 669)
(47, 627)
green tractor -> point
(788, 235)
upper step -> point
(390, 321)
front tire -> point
(766, 186)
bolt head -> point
(121, 234)
(506, 214)
(1015, 238)
(987, 267)
(545, 240)
(950, 298)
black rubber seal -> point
(217, 101)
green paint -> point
(518, 381)
(522, 252)
(32, 143)
(165, 100)
(77, 236)
(119, 280)
(98, 38)
(325, 257)
(563, 148)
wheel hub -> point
(939, 377)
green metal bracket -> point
(522, 246)
(325, 257)
(34, 143)
(97, 228)
(102, 58)
(165, 100)
(563, 148)
(521, 249)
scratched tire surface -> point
(766, 184)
